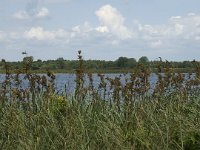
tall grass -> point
(111, 116)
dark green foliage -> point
(61, 63)
(122, 64)
(143, 60)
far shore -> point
(176, 70)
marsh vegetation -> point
(131, 115)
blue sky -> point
(102, 29)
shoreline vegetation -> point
(124, 71)
(111, 116)
(109, 71)
(121, 65)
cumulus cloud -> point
(102, 29)
(177, 34)
(21, 15)
(39, 33)
(180, 35)
(37, 14)
(33, 10)
(81, 30)
(178, 27)
(112, 20)
(175, 17)
(42, 13)
(56, 1)
(186, 26)
(112, 28)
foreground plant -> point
(113, 115)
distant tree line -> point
(62, 65)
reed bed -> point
(131, 116)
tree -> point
(28, 59)
(61, 63)
(143, 60)
(131, 62)
(122, 62)
(27, 63)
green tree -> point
(28, 59)
(61, 63)
(143, 60)
(131, 62)
(122, 62)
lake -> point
(65, 82)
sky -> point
(102, 29)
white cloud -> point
(39, 33)
(56, 1)
(178, 34)
(42, 13)
(37, 14)
(112, 28)
(81, 30)
(191, 14)
(175, 17)
(150, 29)
(21, 15)
(102, 29)
(179, 28)
(111, 18)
